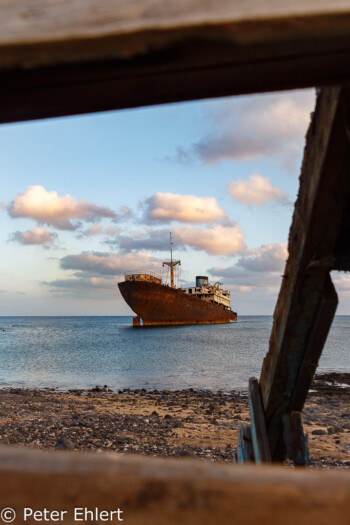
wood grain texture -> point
(63, 57)
(244, 452)
(48, 20)
(295, 440)
(154, 491)
(307, 299)
(260, 439)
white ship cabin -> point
(209, 292)
(149, 277)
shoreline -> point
(196, 423)
(327, 373)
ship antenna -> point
(171, 248)
(172, 263)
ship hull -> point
(157, 304)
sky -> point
(87, 198)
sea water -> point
(82, 352)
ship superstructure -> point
(212, 293)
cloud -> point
(95, 274)
(167, 207)
(341, 282)
(255, 127)
(267, 258)
(241, 289)
(150, 240)
(91, 282)
(258, 268)
(219, 239)
(110, 264)
(125, 213)
(98, 229)
(47, 207)
(38, 236)
(256, 191)
(97, 288)
(182, 156)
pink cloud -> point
(38, 236)
(258, 190)
(47, 207)
(167, 207)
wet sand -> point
(200, 424)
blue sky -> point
(86, 198)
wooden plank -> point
(295, 440)
(66, 57)
(317, 337)
(307, 299)
(40, 21)
(260, 439)
(152, 491)
(244, 452)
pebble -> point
(64, 444)
(91, 421)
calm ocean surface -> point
(81, 352)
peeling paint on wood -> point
(260, 441)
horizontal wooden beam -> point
(40, 21)
(71, 56)
(152, 491)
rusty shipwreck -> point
(156, 303)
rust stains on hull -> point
(157, 304)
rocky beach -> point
(195, 423)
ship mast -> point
(171, 264)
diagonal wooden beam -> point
(307, 300)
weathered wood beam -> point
(259, 435)
(71, 56)
(244, 451)
(152, 491)
(36, 21)
(295, 440)
(307, 299)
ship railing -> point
(138, 275)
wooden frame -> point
(66, 57)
